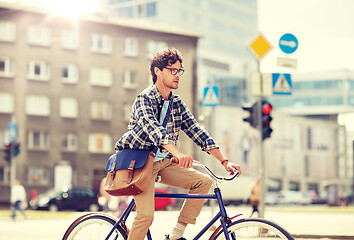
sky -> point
(324, 30)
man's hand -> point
(232, 167)
(184, 160)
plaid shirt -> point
(145, 130)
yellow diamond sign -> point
(260, 46)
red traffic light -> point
(266, 108)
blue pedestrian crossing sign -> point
(12, 131)
(282, 83)
(211, 96)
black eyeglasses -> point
(174, 71)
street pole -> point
(12, 137)
(13, 165)
(261, 147)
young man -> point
(145, 131)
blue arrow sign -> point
(282, 83)
(288, 43)
(211, 96)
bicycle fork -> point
(224, 219)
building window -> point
(69, 142)
(68, 107)
(154, 46)
(6, 67)
(69, 39)
(130, 79)
(4, 174)
(100, 143)
(101, 77)
(131, 47)
(39, 36)
(38, 176)
(69, 74)
(7, 103)
(151, 9)
(38, 140)
(7, 31)
(37, 105)
(101, 110)
(38, 70)
(101, 43)
(309, 138)
(126, 12)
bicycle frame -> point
(222, 214)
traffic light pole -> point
(13, 165)
(261, 147)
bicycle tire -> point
(254, 228)
(93, 227)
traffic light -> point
(16, 146)
(7, 152)
(252, 119)
(266, 119)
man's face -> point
(168, 79)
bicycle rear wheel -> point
(254, 228)
(94, 227)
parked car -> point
(164, 203)
(294, 197)
(80, 199)
(271, 198)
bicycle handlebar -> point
(211, 174)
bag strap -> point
(164, 124)
(130, 172)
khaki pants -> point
(175, 176)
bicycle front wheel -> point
(254, 228)
(94, 227)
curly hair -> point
(163, 58)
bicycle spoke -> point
(246, 229)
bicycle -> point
(104, 226)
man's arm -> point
(184, 160)
(229, 166)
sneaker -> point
(168, 237)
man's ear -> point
(157, 71)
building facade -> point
(227, 27)
(69, 88)
(302, 154)
(330, 96)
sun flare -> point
(73, 8)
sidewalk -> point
(310, 222)
(315, 221)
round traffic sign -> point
(288, 43)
